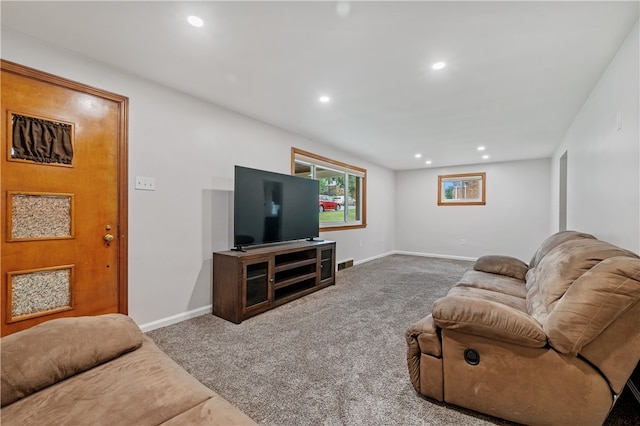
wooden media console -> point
(246, 283)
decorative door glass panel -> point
(44, 291)
(40, 216)
(41, 140)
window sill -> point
(341, 227)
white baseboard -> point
(369, 259)
(174, 319)
(413, 253)
(440, 256)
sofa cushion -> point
(535, 302)
(213, 412)
(488, 318)
(502, 265)
(482, 294)
(555, 240)
(594, 301)
(498, 283)
(43, 355)
(143, 387)
(563, 265)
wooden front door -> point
(64, 199)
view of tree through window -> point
(340, 201)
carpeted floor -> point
(334, 357)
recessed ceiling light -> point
(481, 148)
(195, 21)
(427, 162)
(438, 65)
(418, 155)
(324, 99)
(484, 157)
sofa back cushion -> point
(592, 303)
(43, 355)
(553, 241)
(572, 265)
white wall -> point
(513, 222)
(190, 147)
(603, 182)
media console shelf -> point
(248, 283)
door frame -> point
(122, 162)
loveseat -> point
(101, 370)
(549, 342)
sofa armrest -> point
(422, 337)
(424, 357)
(502, 265)
(488, 319)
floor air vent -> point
(346, 264)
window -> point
(40, 140)
(342, 198)
(465, 189)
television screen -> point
(273, 207)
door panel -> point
(64, 225)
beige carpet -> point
(334, 357)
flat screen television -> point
(273, 207)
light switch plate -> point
(145, 183)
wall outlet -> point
(145, 183)
(463, 242)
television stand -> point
(246, 283)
